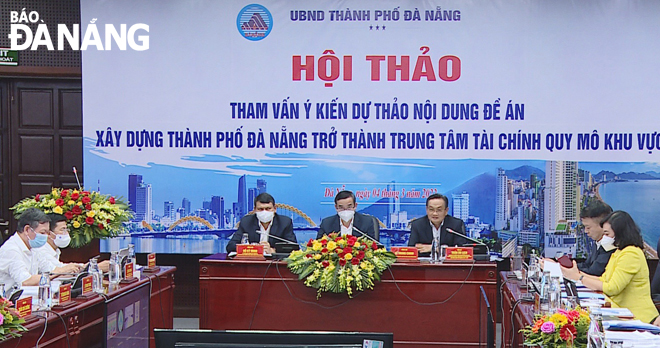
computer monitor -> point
(166, 338)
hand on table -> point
(423, 248)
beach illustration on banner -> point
(504, 202)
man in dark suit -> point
(352, 222)
(591, 216)
(262, 225)
(435, 224)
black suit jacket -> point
(421, 231)
(596, 262)
(282, 227)
(362, 222)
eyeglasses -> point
(342, 208)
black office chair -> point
(376, 228)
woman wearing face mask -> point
(626, 278)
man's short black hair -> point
(343, 195)
(54, 219)
(32, 217)
(438, 196)
(596, 209)
(626, 231)
(264, 198)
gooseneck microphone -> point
(368, 236)
(278, 238)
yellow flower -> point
(76, 191)
(76, 224)
(559, 319)
(317, 246)
(71, 202)
(332, 245)
(54, 192)
(363, 265)
(317, 257)
(349, 278)
(348, 256)
(342, 243)
(79, 204)
(51, 202)
(58, 210)
(357, 245)
(91, 213)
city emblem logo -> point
(254, 22)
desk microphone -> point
(279, 238)
(368, 236)
(476, 241)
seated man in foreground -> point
(435, 224)
(19, 262)
(262, 225)
(347, 221)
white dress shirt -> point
(436, 231)
(18, 263)
(346, 231)
(264, 233)
(50, 254)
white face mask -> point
(62, 240)
(265, 216)
(607, 243)
(346, 215)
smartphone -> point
(565, 261)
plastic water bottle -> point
(97, 276)
(44, 291)
(545, 292)
(435, 250)
(595, 334)
(245, 239)
(555, 295)
(131, 256)
(516, 260)
(115, 271)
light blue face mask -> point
(38, 241)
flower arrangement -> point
(89, 214)
(10, 321)
(340, 264)
(565, 328)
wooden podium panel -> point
(424, 305)
(84, 321)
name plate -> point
(151, 260)
(128, 270)
(24, 306)
(250, 251)
(459, 254)
(87, 285)
(406, 253)
(65, 293)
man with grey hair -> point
(19, 264)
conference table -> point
(422, 304)
(81, 325)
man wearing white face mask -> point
(263, 224)
(58, 238)
(591, 217)
(347, 221)
(19, 263)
